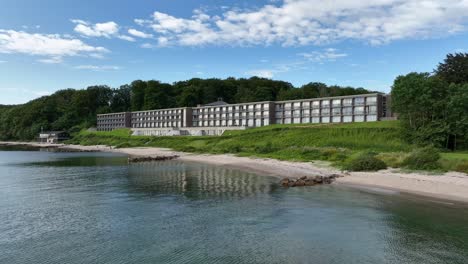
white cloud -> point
(264, 73)
(305, 22)
(52, 46)
(51, 60)
(139, 34)
(107, 29)
(148, 46)
(127, 38)
(329, 54)
(98, 68)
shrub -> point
(462, 167)
(365, 162)
(422, 159)
(264, 149)
(392, 159)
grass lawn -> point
(330, 142)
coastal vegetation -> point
(73, 110)
(342, 145)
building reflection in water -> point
(195, 180)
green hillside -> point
(336, 143)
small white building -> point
(53, 137)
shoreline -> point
(450, 186)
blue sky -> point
(49, 45)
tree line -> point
(433, 107)
(73, 110)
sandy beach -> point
(448, 186)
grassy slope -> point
(332, 142)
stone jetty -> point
(151, 158)
(309, 181)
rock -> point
(300, 182)
(285, 181)
(318, 179)
(309, 183)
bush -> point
(392, 159)
(462, 167)
(422, 159)
(265, 149)
(365, 162)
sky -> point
(50, 45)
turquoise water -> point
(95, 208)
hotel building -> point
(215, 118)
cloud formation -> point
(139, 34)
(98, 68)
(316, 22)
(107, 29)
(52, 46)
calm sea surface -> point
(95, 208)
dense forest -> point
(433, 107)
(73, 110)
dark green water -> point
(94, 208)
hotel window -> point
(336, 119)
(359, 110)
(347, 110)
(359, 100)
(336, 102)
(372, 109)
(371, 100)
(336, 111)
(371, 118)
(359, 118)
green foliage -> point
(73, 110)
(431, 111)
(454, 69)
(462, 167)
(286, 142)
(392, 159)
(423, 159)
(365, 162)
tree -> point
(431, 111)
(454, 69)
(138, 88)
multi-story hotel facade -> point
(215, 118)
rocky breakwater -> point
(151, 158)
(309, 181)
